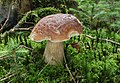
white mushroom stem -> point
(54, 53)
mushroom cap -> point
(56, 28)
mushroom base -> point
(54, 53)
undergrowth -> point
(90, 60)
(96, 61)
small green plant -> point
(98, 14)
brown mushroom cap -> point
(56, 28)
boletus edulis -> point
(55, 28)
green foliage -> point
(99, 13)
(63, 5)
(35, 15)
(96, 61)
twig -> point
(21, 29)
(20, 46)
(22, 21)
(6, 19)
(15, 29)
(4, 57)
(30, 23)
(7, 77)
(45, 66)
(69, 70)
(118, 31)
(111, 41)
(70, 73)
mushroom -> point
(55, 28)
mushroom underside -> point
(54, 51)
